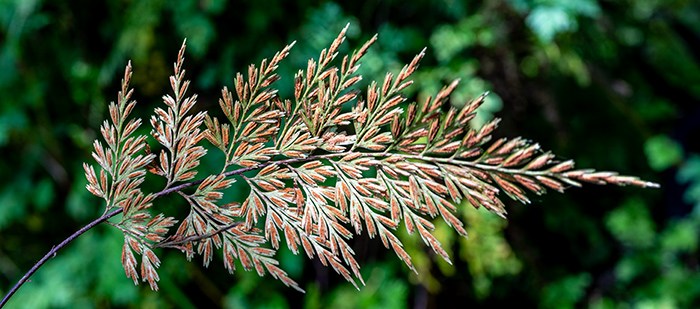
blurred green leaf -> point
(662, 152)
(547, 21)
(11, 120)
(382, 290)
(631, 224)
(689, 173)
(487, 252)
(680, 236)
(566, 292)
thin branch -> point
(53, 251)
(174, 243)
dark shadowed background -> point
(613, 84)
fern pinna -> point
(426, 162)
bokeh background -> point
(613, 84)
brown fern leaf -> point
(176, 131)
(425, 161)
(122, 173)
(253, 115)
(308, 166)
(122, 170)
(245, 246)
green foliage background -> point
(613, 84)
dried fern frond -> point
(178, 132)
(426, 162)
(122, 173)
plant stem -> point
(55, 249)
(175, 242)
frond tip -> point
(306, 161)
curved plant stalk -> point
(425, 157)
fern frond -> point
(122, 173)
(178, 132)
(426, 162)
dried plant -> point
(424, 163)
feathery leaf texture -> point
(426, 162)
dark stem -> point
(55, 249)
(176, 242)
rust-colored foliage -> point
(426, 163)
